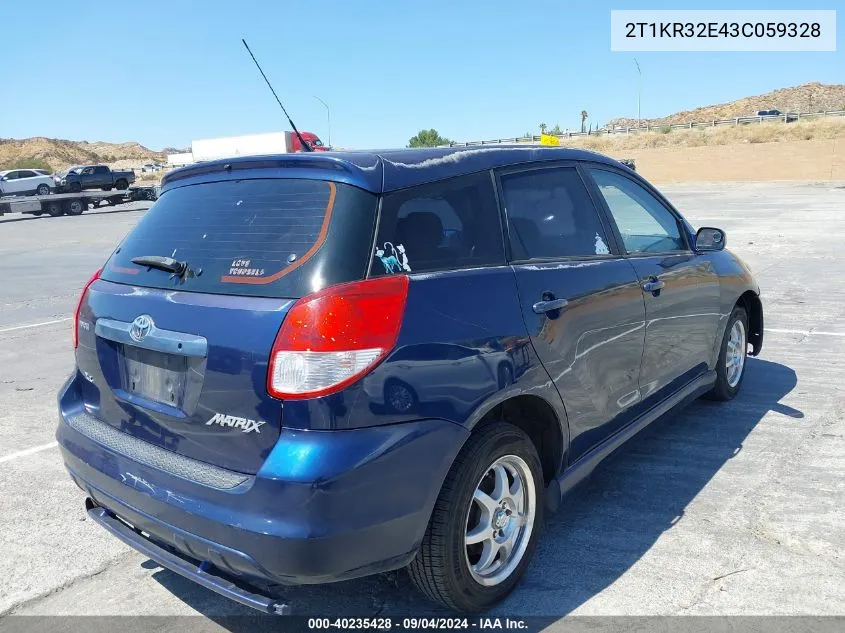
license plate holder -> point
(155, 376)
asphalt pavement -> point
(724, 509)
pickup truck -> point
(93, 177)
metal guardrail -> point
(790, 117)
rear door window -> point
(445, 225)
(263, 237)
(551, 215)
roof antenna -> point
(305, 146)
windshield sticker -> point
(241, 268)
(393, 258)
(403, 258)
(601, 247)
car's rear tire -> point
(75, 187)
(43, 190)
(54, 209)
(492, 497)
(730, 368)
(122, 184)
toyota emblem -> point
(140, 327)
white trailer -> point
(251, 145)
(180, 160)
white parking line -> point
(803, 332)
(28, 451)
(29, 325)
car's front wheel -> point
(485, 523)
(730, 368)
(43, 190)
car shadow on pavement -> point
(601, 531)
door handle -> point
(654, 286)
(541, 307)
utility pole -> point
(328, 117)
(639, 89)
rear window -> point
(267, 237)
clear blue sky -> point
(164, 73)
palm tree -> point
(543, 127)
(584, 117)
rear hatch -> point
(177, 354)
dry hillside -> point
(59, 154)
(809, 97)
(769, 132)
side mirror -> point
(710, 239)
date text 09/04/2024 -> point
(416, 624)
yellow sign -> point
(548, 139)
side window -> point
(27, 174)
(550, 215)
(12, 175)
(102, 169)
(645, 224)
(440, 226)
(87, 171)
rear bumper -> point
(326, 506)
(201, 574)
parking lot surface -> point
(725, 509)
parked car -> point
(230, 412)
(21, 182)
(82, 177)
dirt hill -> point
(59, 154)
(809, 97)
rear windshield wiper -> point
(167, 264)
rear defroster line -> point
(324, 229)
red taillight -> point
(93, 278)
(333, 337)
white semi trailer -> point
(251, 145)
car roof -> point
(382, 171)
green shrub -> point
(27, 163)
